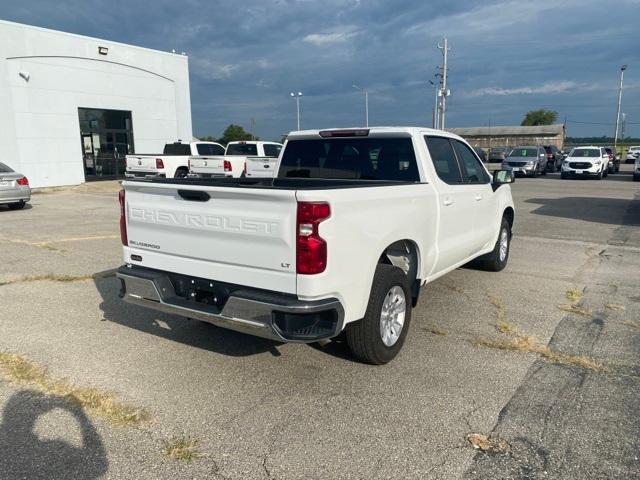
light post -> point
(615, 137)
(366, 103)
(297, 97)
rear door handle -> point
(447, 202)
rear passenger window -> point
(474, 172)
(272, 150)
(203, 149)
(444, 160)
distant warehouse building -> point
(486, 137)
(71, 107)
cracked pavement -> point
(265, 410)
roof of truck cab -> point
(373, 131)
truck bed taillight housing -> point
(311, 248)
(159, 163)
(227, 166)
(123, 219)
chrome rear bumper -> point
(264, 314)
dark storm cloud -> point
(507, 57)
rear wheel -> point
(17, 205)
(181, 173)
(379, 336)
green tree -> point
(234, 133)
(539, 117)
(208, 138)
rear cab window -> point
(367, 158)
(272, 150)
(250, 149)
(177, 149)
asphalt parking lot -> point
(541, 361)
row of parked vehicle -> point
(534, 160)
(207, 160)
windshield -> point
(585, 152)
(351, 158)
(5, 169)
(524, 152)
(242, 149)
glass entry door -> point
(106, 137)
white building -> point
(71, 106)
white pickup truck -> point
(356, 221)
(241, 159)
(172, 163)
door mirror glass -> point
(503, 176)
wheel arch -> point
(404, 254)
(509, 214)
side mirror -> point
(500, 177)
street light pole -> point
(297, 97)
(615, 137)
(366, 103)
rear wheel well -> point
(404, 255)
(183, 169)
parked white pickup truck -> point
(356, 221)
(241, 159)
(174, 161)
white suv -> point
(632, 154)
(586, 161)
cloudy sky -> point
(506, 57)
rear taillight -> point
(159, 163)
(227, 166)
(24, 181)
(311, 248)
(123, 219)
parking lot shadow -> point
(24, 454)
(178, 329)
(612, 211)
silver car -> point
(528, 160)
(14, 188)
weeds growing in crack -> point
(573, 295)
(182, 448)
(571, 308)
(435, 330)
(50, 277)
(615, 306)
(529, 344)
(488, 443)
(20, 370)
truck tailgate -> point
(261, 166)
(207, 165)
(141, 163)
(240, 236)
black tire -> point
(543, 171)
(181, 173)
(17, 206)
(564, 175)
(600, 175)
(492, 261)
(534, 174)
(364, 337)
(636, 178)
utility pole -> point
(615, 137)
(443, 91)
(435, 111)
